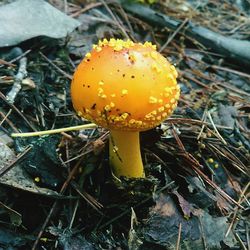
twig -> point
(74, 214)
(5, 117)
(88, 7)
(194, 121)
(216, 130)
(242, 195)
(7, 120)
(173, 35)
(179, 237)
(87, 197)
(115, 19)
(54, 131)
(55, 66)
(21, 74)
(240, 241)
(2, 96)
(236, 72)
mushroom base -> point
(124, 154)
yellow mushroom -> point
(125, 96)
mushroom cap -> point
(122, 85)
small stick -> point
(54, 131)
(21, 74)
(173, 35)
(55, 66)
(240, 241)
(179, 237)
(5, 117)
(115, 19)
(217, 132)
(236, 72)
(2, 96)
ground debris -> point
(161, 228)
(57, 191)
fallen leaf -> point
(26, 19)
(161, 228)
(16, 177)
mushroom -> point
(125, 87)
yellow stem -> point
(124, 154)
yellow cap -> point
(122, 85)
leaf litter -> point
(58, 192)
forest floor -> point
(57, 191)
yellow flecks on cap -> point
(166, 94)
(103, 96)
(99, 113)
(124, 116)
(112, 105)
(107, 107)
(153, 54)
(88, 55)
(131, 121)
(100, 90)
(170, 111)
(172, 100)
(164, 114)
(146, 54)
(174, 71)
(37, 179)
(79, 113)
(149, 45)
(177, 95)
(98, 49)
(160, 101)
(113, 95)
(101, 83)
(161, 109)
(174, 106)
(148, 116)
(172, 79)
(88, 111)
(155, 67)
(124, 92)
(153, 99)
(103, 42)
(169, 89)
(116, 44)
(132, 57)
(158, 118)
(167, 105)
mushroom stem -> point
(124, 154)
